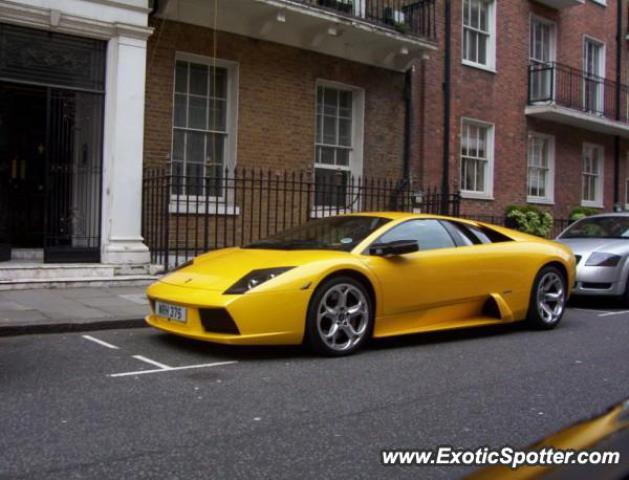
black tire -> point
(624, 298)
(546, 319)
(314, 335)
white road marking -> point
(100, 342)
(139, 298)
(588, 310)
(170, 369)
(163, 366)
(609, 314)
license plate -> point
(171, 312)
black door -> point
(22, 165)
(51, 142)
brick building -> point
(304, 84)
(538, 114)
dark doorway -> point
(22, 165)
(51, 129)
(50, 171)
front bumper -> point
(269, 318)
(597, 281)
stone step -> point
(18, 271)
(71, 282)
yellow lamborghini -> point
(336, 282)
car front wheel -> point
(548, 298)
(340, 317)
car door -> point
(436, 275)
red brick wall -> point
(276, 117)
(501, 97)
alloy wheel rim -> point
(342, 317)
(551, 297)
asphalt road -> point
(283, 413)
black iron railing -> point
(409, 17)
(578, 90)
(185, 216)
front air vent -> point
(218, 320)
(596, 286)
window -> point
(468, 234)
(592, 176)
(477, 144)
(627, 182)
(338, 143)
(479, 33)
(542, 55)
(540, 173)
(430, 234)
(203, 125)
(594, 77)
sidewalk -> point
(53, 310)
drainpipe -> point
(445, 179)
(619, 44)
(408, 124)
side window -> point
(430, 234)
(478, 235)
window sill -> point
(477, 196)
(540, 201)
(587, 203)
(194, 207)
(323, 212)
(479, 66)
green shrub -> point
(531, 220)
(581, 212)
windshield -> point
(334, 233)
(599, 227)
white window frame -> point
(488, 191)
(223, 205)
(598, 202)
(552, 50)
(490, 66)
(627, 181)
(549, 188)
(355, 167)
(602, 65)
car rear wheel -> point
(340, 317)
(548, 298)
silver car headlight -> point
(601, 259)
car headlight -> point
(600, 259)
(255, 278)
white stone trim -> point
(52, 19)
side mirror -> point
(398, 247)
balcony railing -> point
(409, 17)
(554, 83)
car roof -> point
(404, 215)
(609, 214)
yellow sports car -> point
(336, 282)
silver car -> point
(601, 246)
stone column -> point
(122, 243)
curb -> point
(72, 327)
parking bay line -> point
(609, 314)
(100, 342)
(161, 366)
(170, 369)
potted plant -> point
(529, 219)
(581, 212)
